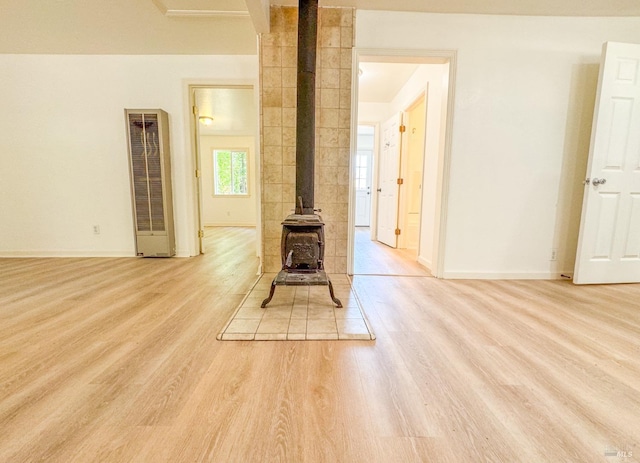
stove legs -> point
(272, 290)
(333, 296)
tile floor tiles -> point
(298, 313)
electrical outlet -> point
(554, 255)
(96, 229)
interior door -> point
(609, 241)
(388, 188)
(363, 188)
(415, 121)
(364, 163)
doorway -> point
(224, 139)
(415, 88)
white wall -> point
(372, 112)
(219, 210)
(523, 105)
(63, 152)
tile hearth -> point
(298, 313)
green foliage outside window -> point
(230, 172)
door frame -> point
(444, 164)
(194, 134)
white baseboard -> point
(62, 254)
(425, 263)
(49, 253)
(230, 224)
(505, 276)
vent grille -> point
(147, 172)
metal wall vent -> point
(150, 167)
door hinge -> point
(195, 110)
(200, 233)
(400, 181)
(397, 231)
(403, 128)
(197, 173)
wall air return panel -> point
(150, 167)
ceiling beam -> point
(260, 15)
(201, 8)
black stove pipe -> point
(306, 112)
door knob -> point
(379, 190)
(598, 181)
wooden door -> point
(388, 187)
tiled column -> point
(278, 61)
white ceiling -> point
(233, 110)
(120, 27)
(512, 7)
(380, 82)
(214, 27)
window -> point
(362, 169)
(230, 172)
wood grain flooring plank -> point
(115, 360)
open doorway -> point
(224, 127)
(406, 100)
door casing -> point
(444, 164)
(196, 244)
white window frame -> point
(215, 172)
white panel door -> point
(388, 188)
(609, 242)
(364, 159)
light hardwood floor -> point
(115, 360)
(375, 258)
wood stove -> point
(302, 243)
(302, 252)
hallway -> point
(375, 258)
